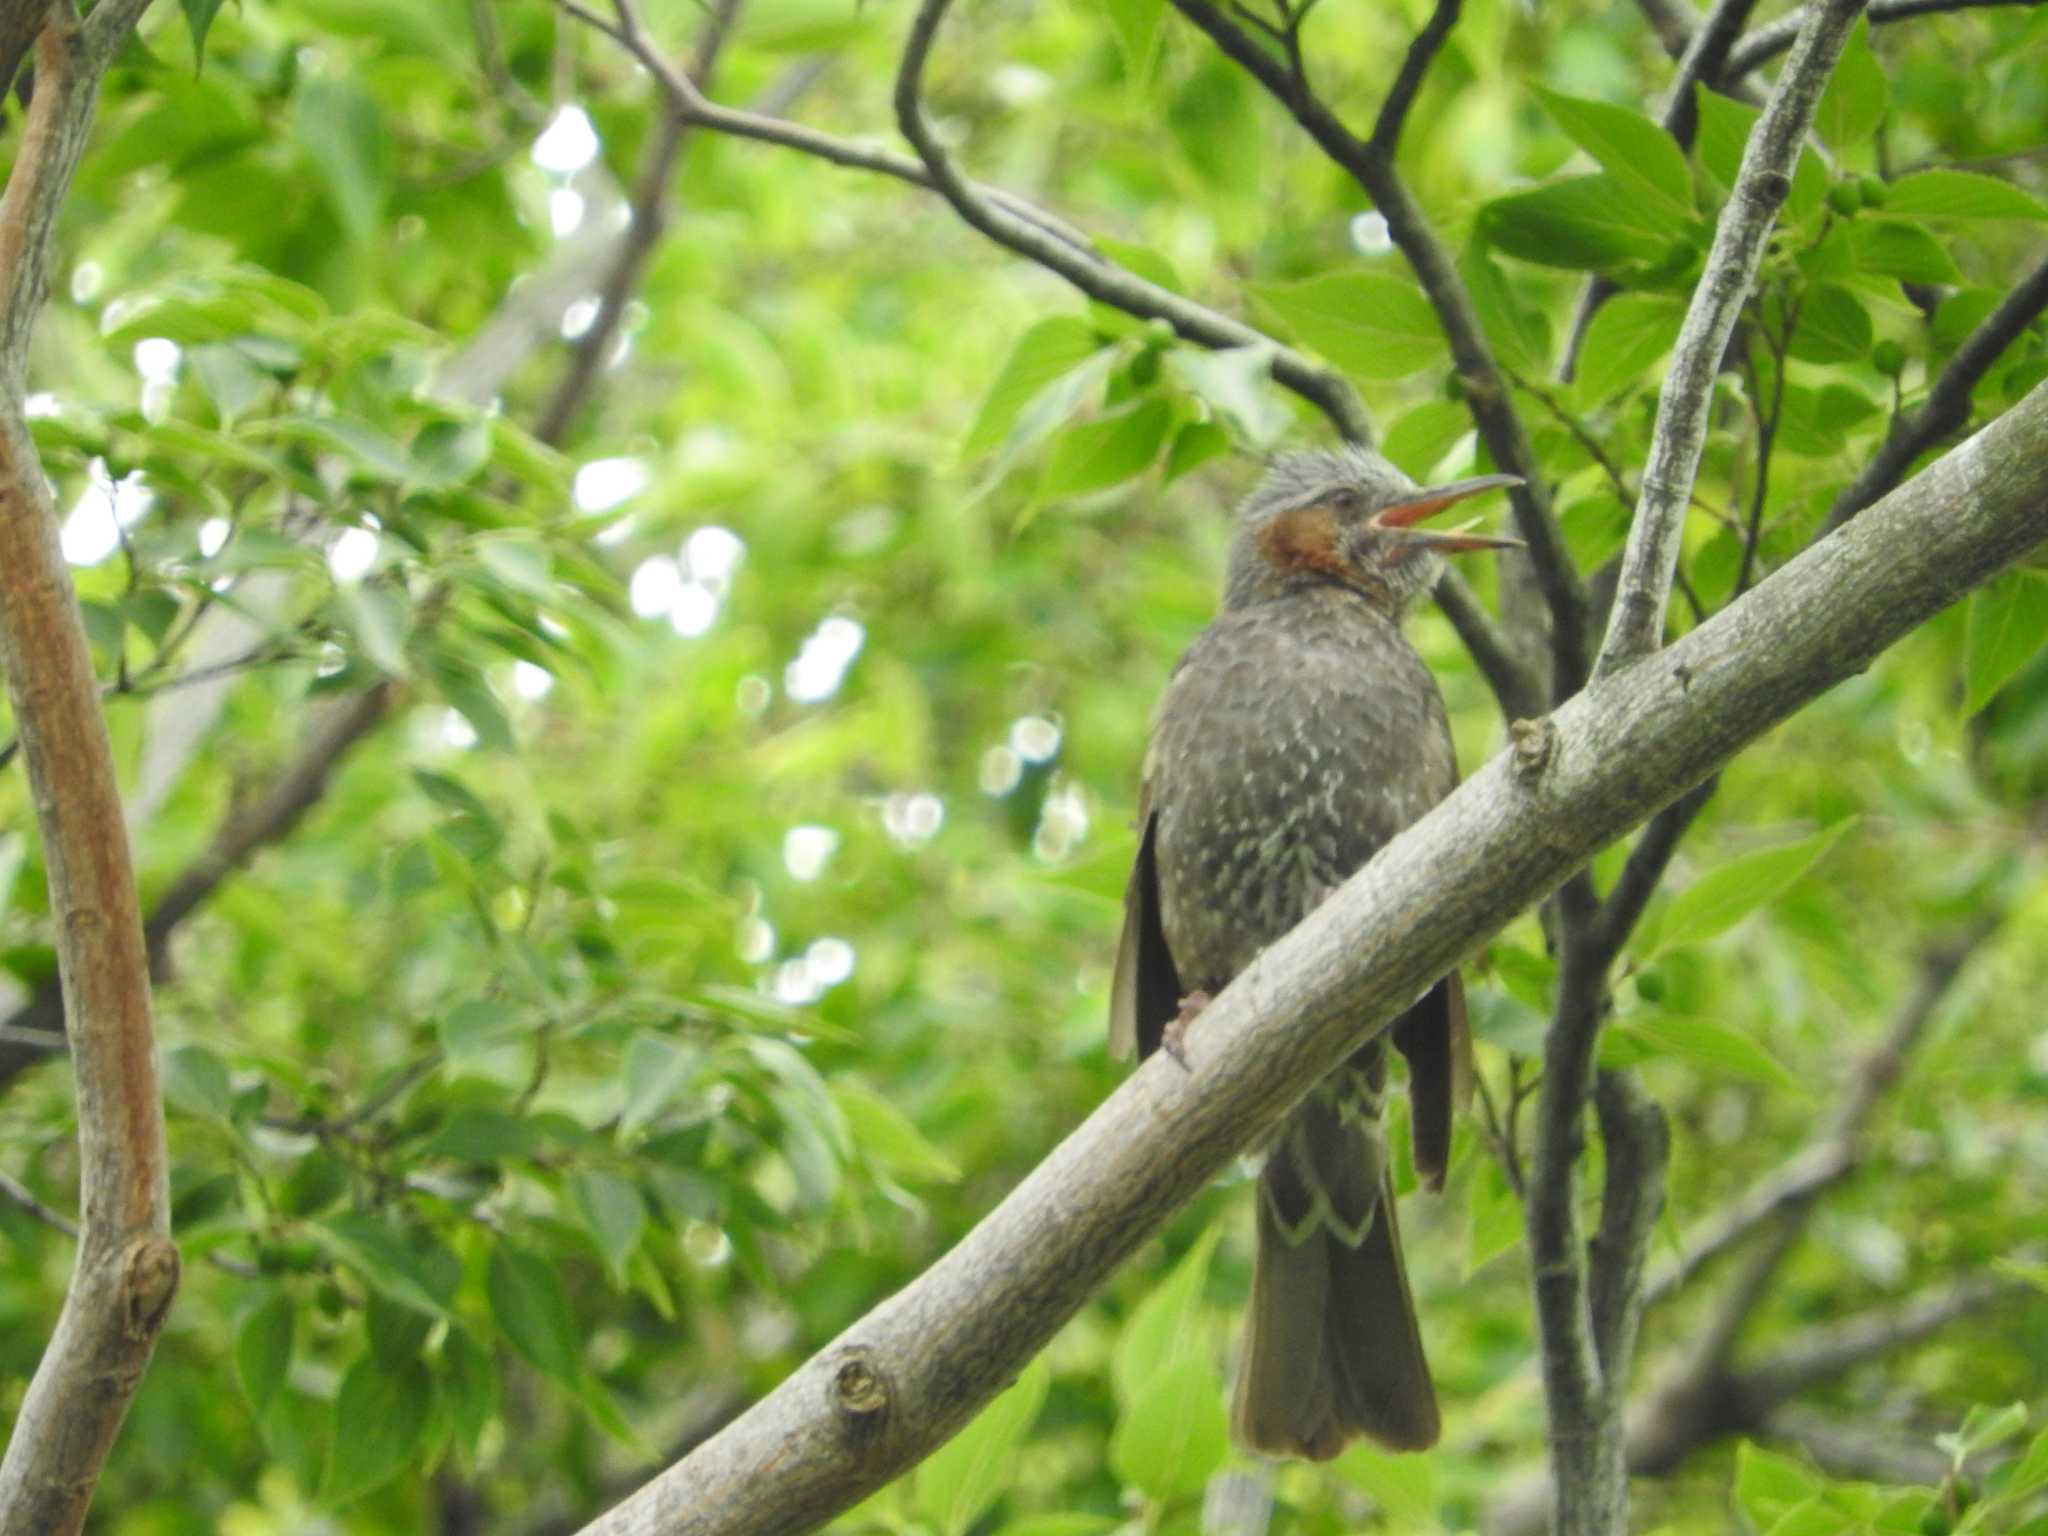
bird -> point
(1298, 734)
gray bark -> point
(904, 1377)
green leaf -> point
(1767, 1484)
(340, 132)
(463, 686)
(1407, 1488)
(1371, 325)
(1720, 899)
(612, 1209)
(1642, 158)
(1833, 327)
(1195, 444)
(1418, 442)
(1856, 97)
(196, 1083)
(1237, 384)
(1138, 25)
(296, 1430)
(450, 452)
(1628, 335)
(1170, 1439)
(1959, 195)
(1893, 248)
(1164, 1325)
(1583, 223)
(958, 1482)
(198, 19)
(1983, 1428)
(1096, 454)
(1595, 529)
(378, 618)
(1493, 1216)
(2008, 621)
(263, 1349)
(474, 1134)
(1711, 1044)
(888, 1137)
(469, 1385)
(229, 379)
(655, 1070)
(419, 1274)
(382, 1411)
(1520, 332)
(2030, 1473)
(1051, 350)
(530, 1304)
(395, 1332)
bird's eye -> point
(1344, 499)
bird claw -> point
(1174, 1039)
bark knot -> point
(149, 1279)
(1535, 743)
(862, 1397)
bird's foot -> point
(1175, 1037)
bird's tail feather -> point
(1331, 1347)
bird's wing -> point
(1145, 994)
(1437, 1042)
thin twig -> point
(1773, 38)
(1012, 222)
(1637, 626)
(1947, 407)
(650, 208)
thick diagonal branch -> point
(910, 1373)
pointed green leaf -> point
(1767, 1485)
(1638, 153)
(1407, 1488)
(1164, 1325)
(1369, 324)
(655, 1070)
(1046, 353)
(615, 1214)
(888, 1137)
(1418, 442)
(1833, 327)
(1583, 223)
(2007, 625)
(531, 1305)
(1628, 334)
(1138, 25)
(263, 1349)
(1171, 1438)
(1711, 1044)
(418, 1273)
(1856, 97)
(1959, 195)
(341, 133)
(1894, 248)
(959, 1481)
(1093, 455)
(382, 1411)
(1720, 899)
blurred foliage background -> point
(701, 908)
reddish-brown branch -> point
(126, 1270)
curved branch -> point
(1009, 220)
(910, 1373)
(126, 1268)
(1651, 558)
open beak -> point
(1404, 515)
